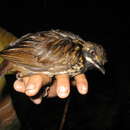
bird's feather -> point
(43, 51)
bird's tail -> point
(5, 38)
(8, 117)
(4, 67)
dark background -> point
(107, 23)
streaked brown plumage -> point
(53, 52)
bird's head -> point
(94, 55)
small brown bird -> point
(53, 52)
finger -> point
(33, 85)
(25, 80)
(81, 83)
(52, 91)
(46, 79)
(37, 100)
(19, 86)
(63, 85)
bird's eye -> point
(92, 52)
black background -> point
(107, 23)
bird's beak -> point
(100, 67)
(96, 64)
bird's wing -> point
(44, 51)
(19, 52)
(61, 56)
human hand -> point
(31, 85)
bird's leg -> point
(45, 92)
(19, 76)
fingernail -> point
(30, 89)
(62, 92)
(37, 101)
(30, 92)
(83, 90)
(30, 86)
(18, 87)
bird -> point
(52, 52)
